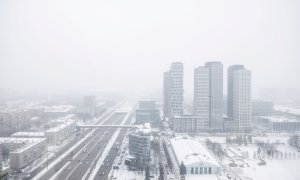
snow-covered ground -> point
(284, 166)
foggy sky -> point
(127, 45)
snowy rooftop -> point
(279, 119)
(60, 126)
(60, 108)
(28, 134)
(29, 145)
(144, 129)
(18, 140)
(190, 151)
(291, 110)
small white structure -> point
(195, 156)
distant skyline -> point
(127, 45)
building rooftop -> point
(279, 119)
(18, 140)
(59, 108)
(59, 127)
(28, 134)
(144, 129)
(190, 151)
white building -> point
(64, 128)
(208, 97)
(242, 105)
(23, 151)
(278, 124)
(28, 153)
(194, 156)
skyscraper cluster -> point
(208, 98)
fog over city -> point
(149, 90)
(126, 45)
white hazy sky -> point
(50, 45)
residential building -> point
(23, 151)
(173, 90)
(60, 130)
(28, 153)
(208, 97)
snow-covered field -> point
(284, 166)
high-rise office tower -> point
(173, 90)
(230, 71)
(166, 93)
(0, 158)
(208, 97)
(241, 98)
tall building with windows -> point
(147, 113)
(166, 92)
(241, 99)
(230, 71)
(208, 97)
(0, 158)
(173, 90)
(139, 145)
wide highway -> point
(107, 164)
(80, 163)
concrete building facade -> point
(166, 92)
(185, 124)
(147, 113)
(28, 153)
(60, 130)
(173, 90)
(139, 145)
(242, 105)
(277, 124)
(208, 97)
